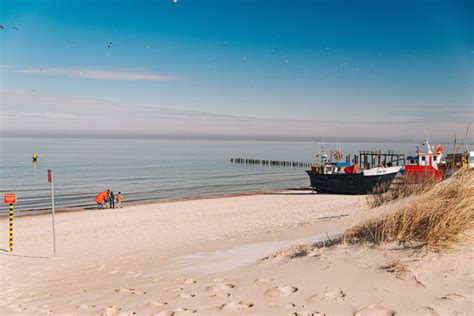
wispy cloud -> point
(98, 74)
(442, 115)
(45, 115)
(31, 113)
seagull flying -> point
(15, 28)
(147, 45)
(110, 45)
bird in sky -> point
(147, 45)
(15, 28)
(110, 45)
(1, 27)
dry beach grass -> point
(405, 187)
(438, 217)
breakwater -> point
(282, 163)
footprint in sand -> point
(454, 297)
(287, 305)
(164, 313)
(220, 295)
(134, 274)
(83, 306)
(219, 287)
(219, 280)
(156, 277)
(329, 296)
(115, 271)
(430, 311)
(262, 280)
(158, 303)
(184, 311)
(124, 290)
(186, 295)
(45, 311)
(110, 311)
(129, 290)
(232, 306)
(187, 281)
(373, 310)
(285, 290)
(468, 276)
(16, 308)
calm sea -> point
(151, 169)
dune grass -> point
(438, 217)
(406, 187)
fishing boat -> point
(345, 178)
(425, 165)
(365, 182)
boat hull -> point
(422, 174)
(356, 184)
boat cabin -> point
(425, 159)
(425, 166)
(330, 168)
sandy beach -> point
(206, 257)
(294, 158)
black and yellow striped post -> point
(11, 227)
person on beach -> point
(119, 200)
(101, 199)
(111, 199)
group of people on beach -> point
(109, 198)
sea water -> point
(151, 169)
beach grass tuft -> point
(405, 187)
(438, 216)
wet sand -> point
(128, 203)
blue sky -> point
(403, 64)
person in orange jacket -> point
(101, 198)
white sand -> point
(202, 256)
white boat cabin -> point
(432, 158)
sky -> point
(369, 70)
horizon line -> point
(262, 138)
